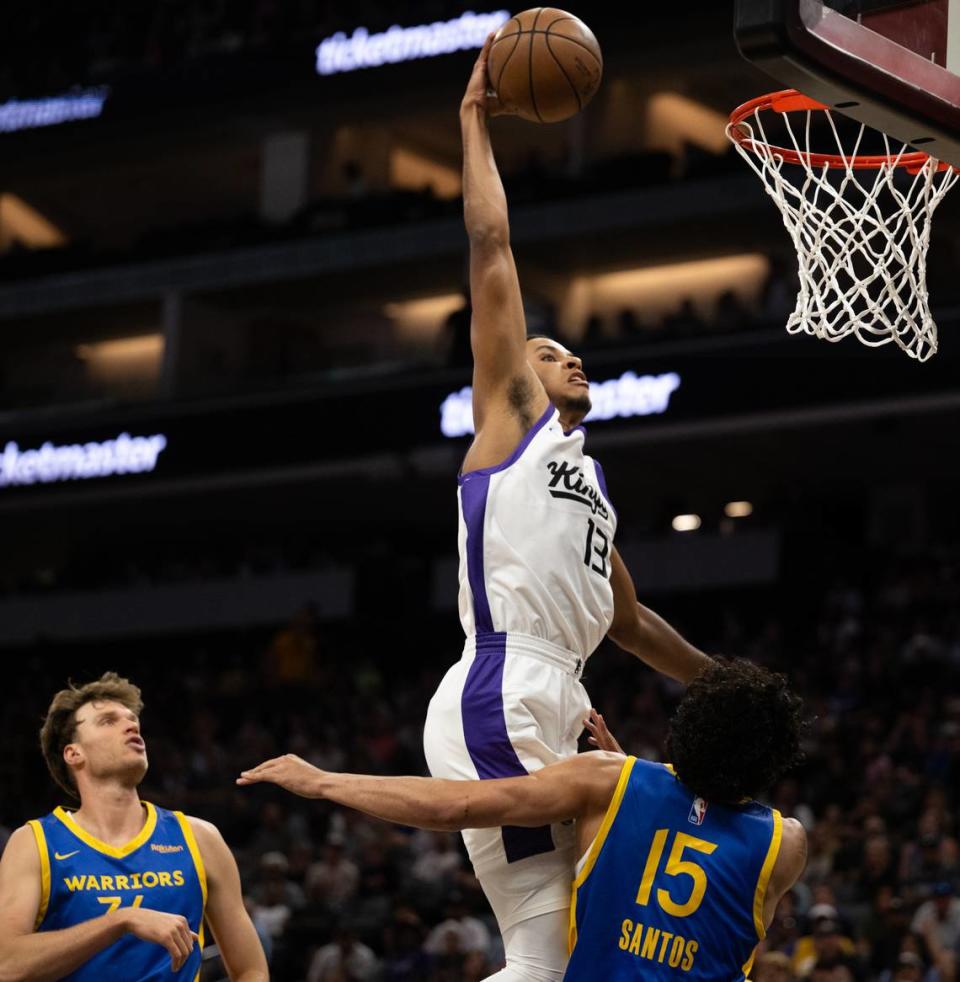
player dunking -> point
(118, 889)
(680, 872)
(541, 583)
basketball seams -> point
(503, 67)
(502, 37)
(563, 71)
(533, 95)
(580, 44)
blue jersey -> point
(83, 878)
(672, 887)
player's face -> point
(562, 375)
(107, 743)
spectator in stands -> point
(334, 878)
(909, 968)
(940, 916)
(684, 321)
(344, 960)
(458, 932)
(827, 949)
(773, 966)
(404, 958)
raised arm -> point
(507, 395)
(232, 928)
(643, 633)
(574, 788)
(26, 955)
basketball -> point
(545, 65)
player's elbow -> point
(478, 805)
(627, 631)
(488, 235)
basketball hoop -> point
(860, 224)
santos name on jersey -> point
(83, 878)
(673, 886)
(535, 538)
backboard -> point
(892, 64)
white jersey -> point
(536, 534)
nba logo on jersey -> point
(698, 812)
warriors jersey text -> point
(83, 878)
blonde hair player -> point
(118, 889)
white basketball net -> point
(861, 237)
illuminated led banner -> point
(629, 395)
(51, 464)
(28, 114)
(362, 49)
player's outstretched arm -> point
(643, 633)
(232, 928)
(572, 788)
(26, 956)
(501, 376)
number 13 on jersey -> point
(598, 548)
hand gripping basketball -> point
(479, 94)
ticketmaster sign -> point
(26, 114)
(362, 49)
(629, 395)
(77, 462)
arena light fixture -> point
(738, 509)
(686, 523)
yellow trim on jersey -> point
(765, 871)
(191, 841)
(748, 965)
(669, 767)
(38, 834)
(117, 852)
(597, 845)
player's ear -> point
(73, 754)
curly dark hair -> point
(737, 729)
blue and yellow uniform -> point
(82, 878)
(672, 887)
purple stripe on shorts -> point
(488, 743)
(473, 501)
